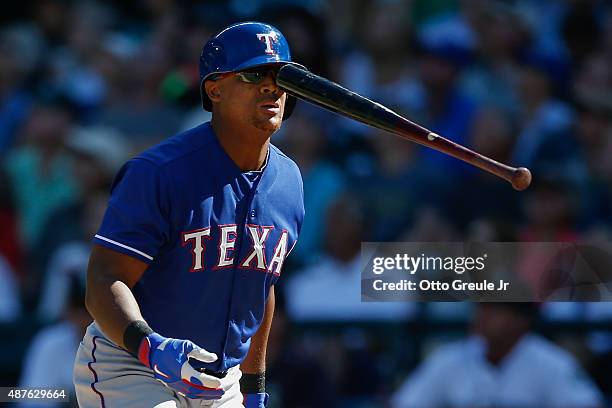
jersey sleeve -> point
(136, 220)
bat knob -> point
(521, 178)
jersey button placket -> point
(251, 220)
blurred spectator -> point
(97, 154)
(288, 364)
(593, 130)
(377, 66)
(593, 81)
(74, 67)
(487, 229)
(439, 102)
(545, 33)
(400, 183)
(134, 106)
(501, 35)
(602, 216)
(329, 291)
(39, 170)
(503, 364)
(10, 239)
(430, 226)
(71, 258)
(482, 194)
(50, 357)
(582, 27)
(307, 34)
(549, 208)
(330, 288)
(546, 120)
(593, 120)
(377, 63)
(51, 18)
(600, 343)
(10, 302)
(14, 100)
(69, 261)
(181, 86)
(607, 35)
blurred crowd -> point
(85, 85)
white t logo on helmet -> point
(268, 38)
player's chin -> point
(269, 123)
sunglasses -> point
(252, 76)
(256, 75)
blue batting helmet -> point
(242, 46)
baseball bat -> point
(329, 95)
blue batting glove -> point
(259, 400)
(169, 360)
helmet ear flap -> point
(289, 106)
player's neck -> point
(248, 150)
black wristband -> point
(133, 335)
(253, 383)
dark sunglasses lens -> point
(254, 76)
(251, 77)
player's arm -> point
(109, 299)
(110, 277)
(252, 383)
(137, 221)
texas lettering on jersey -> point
(214, 245)
(199, 240)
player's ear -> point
(213, 90)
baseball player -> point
(181, 277)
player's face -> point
(253, 97)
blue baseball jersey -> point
(215, 238)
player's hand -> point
(169, 360)
(259, 400)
